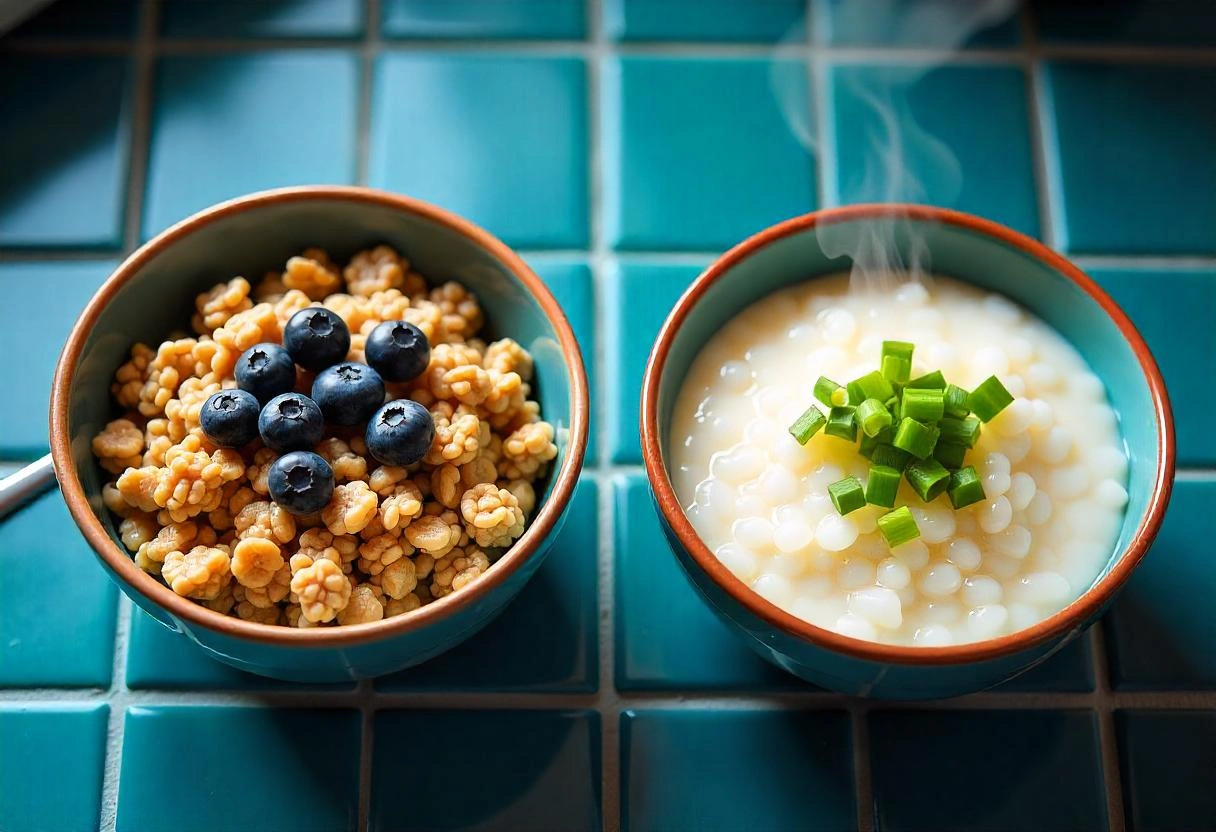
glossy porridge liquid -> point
(1052, 465)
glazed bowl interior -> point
(972, 251)
(153, 293)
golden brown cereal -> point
(507, 356)
(156, 436)
(455, 373)
(313, 274)
(457, 435)
(265, 519)
(507, 398)
(445, 485)
(255, 560)
(479, 470)
(435, 534)
(397, 579)
(130, 378)
(173, 537)
(183, 412)
(457, 570)
(259, 470)
(427, 317)
(350, 509)
(526, 450)
(137, 529)
(347, 464)
(253, 326)
(459, 308)
(319, 543)
(137, 485)
(289, 304)
(384, 479)
(379, 552)
(270, 288)
(173, 362)
(492, 515)
(322, 590)
(221, 302)
(119, 446)
(112, 498)
(222, 603)
(192, 480)
(400, 606)
(248, 611)
(274, 592)
(524, 493)
(363, 607)
(375, 270)
(200, 573)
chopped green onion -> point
(886, 435)
(873, 416)
(867, 445)
(956, 401)
(855, 394)
(847, 494)
(989, 399)
(882, 485)
(898, 527)
(898, 349)
(890, 456)
(874, 386)
(922, 404)
(965, 487)
(896, 369)
(808, 424)
(950, 454)
(896, 410)
(929, 381)
(830, 393)
(965, 431)
(842, 423)
(928, 479)
(915, 437)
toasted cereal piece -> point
(445, 485)
(492, 516)
(526, 451)
(428, 317)
(289, 304)
(507, 356)
(130, 378)
(379, 552)
(173, 537)
(397, 579)
(322, 590)
(255, 560)
(247, 611)
(455, 374)
(265, 519)
(423, 591)
(137, 529)
(270, 288)
(375, 270)
(212, 357)
(201, 573)
(259, 470)
(479, 470)
(119, 446)
(222, 603)
(319, 543)
(253, 326)
(363, 607)
(137, 486)
(457, 570)
(215, 306)
(347, 464)
(524, 493)
(506, 399)
(313, 273)
(436, 534)
(457, 437)
(172, 364)
(192, 480)
(460, 310)
(400, 606)
(235, 496)
(183, 411)
(350, 509)
(388, 305)
(157, 440)
(265, 596)
(112, 498)
(384, 479)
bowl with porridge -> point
(904, 484)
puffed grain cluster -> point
(391, 539)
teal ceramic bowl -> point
(974, 251)
(153, 291)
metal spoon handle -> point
(18, 489)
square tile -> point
(50, 297)
(539, 19)
(638, 298)
(572, 285)
(1166, 757)
(1161, 626)
(74, 19)
(1071, 669)
(64, 139)
(65, 639)
(736, 771)
(976, 159)
(160, 658)
(700, 153)
(1142, 22)
(504, 144)
(278, 19)
(52, 756)
(531, 770)
(911, 23)
(1165, 305)
(706, 20)
(225, 125)
(656, 609)
(245, 768)
(1151, 191)
(560, 600)
(1009, 770)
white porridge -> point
(1051, 463)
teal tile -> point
(1169, 762)
(700, 153)
(736, 771)
(1150, 189)
(1139, 22)
(510, 771)
(560, 600)
(1165, 305)
(656, 612)
(61, 639)
(160, 658)
(64, 138)
(976, 159)
(1071, 670)
(706, 20)
(572, 285)
(1161, 626)
(274, 19)
(205, 768)
(50, 297)
(638, 298)
(968, 771)
(504, 144)
(74, 19)
(52, 756)
(910, 23)
(226, 125)
(539, 19)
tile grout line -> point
(117, 697)
(1108, 743)
(1039, 148)
(365, 695)
(140, 125)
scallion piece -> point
(898, 527)
(895, 369)
(874, 386)
(867, 445)
(882, 486)
(956, 401)
(923, 404)
(899, 349)
(915, 437)
(929, 381)
(928, 478)
(890, 456)
(873, 417)
(842, 423)
(847, 494)
(830, 393)
(950, 454)
(855, 394)
(965, 431)
(808, 424)
(965, 488)
(989, 399)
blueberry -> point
(301, 482)
(265, 370)
(400, 433)
(230, 418)
(290, 422)
(316, 338)
(398, 350)
(348, 393)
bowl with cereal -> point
(904, 482)
(325, 432)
